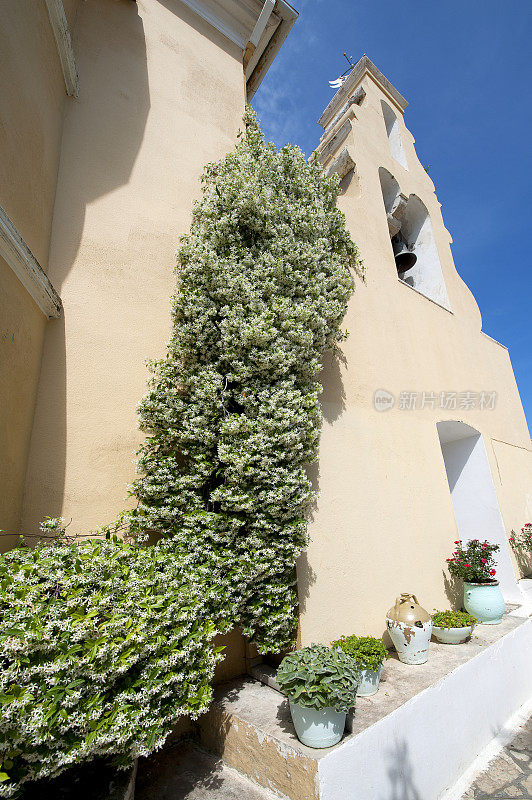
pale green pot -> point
(485, 602)
(317, 728)
(369, 682)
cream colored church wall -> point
(21, 334)
(383, 522)
(161, 94)
(31, 117)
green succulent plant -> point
(319, 677)
(453, 619)
(367, 651)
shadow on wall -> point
(102, 136)
(332, 399)
(332, 403)
(400, 773)
(453, 590)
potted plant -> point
(522, 545)
(475, 565)
(369, 654)
(321, 684)
(452, 627)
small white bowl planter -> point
(452, 635)
(369, 682)
(317, 728)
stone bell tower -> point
(424, 438)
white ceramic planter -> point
(411, 640)
(452, 635)
(369, 682)
(314, 728)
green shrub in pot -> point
(452, 627)
(369, 654)
(321, 684)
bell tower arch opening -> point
(394, 135)
(412, 236)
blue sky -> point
(466, 69)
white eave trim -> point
(217, 22)
(19, 257)
(266, 53)
(262, 21)
(59, 24)
(257, 27)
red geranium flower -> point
(484, 560)
(467, 566)
(492, 572)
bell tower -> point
(367, 112)
(416, 363)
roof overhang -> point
(364, 66)
(257, 27)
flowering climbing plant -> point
(232, 414)
(104, 644)
(473, 562)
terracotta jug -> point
(410, 628)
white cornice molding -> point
(59, 24)
(19, 257)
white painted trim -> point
(59, 24)
(230, 33)
(493, 340)
(422, 294)
(19, 257)
(262, 21)
(256, 71)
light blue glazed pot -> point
(369, 682)
(484, 601)
(314, 728)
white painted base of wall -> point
(482, 762)
(421, 750)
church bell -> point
(404, 258)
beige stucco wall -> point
(384, 522)
(31, 117)
(161, 94)
(21, 335)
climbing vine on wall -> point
(105, 643)
(232, 415)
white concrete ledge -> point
(19, 257)
(59, 24)
(422, 748)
